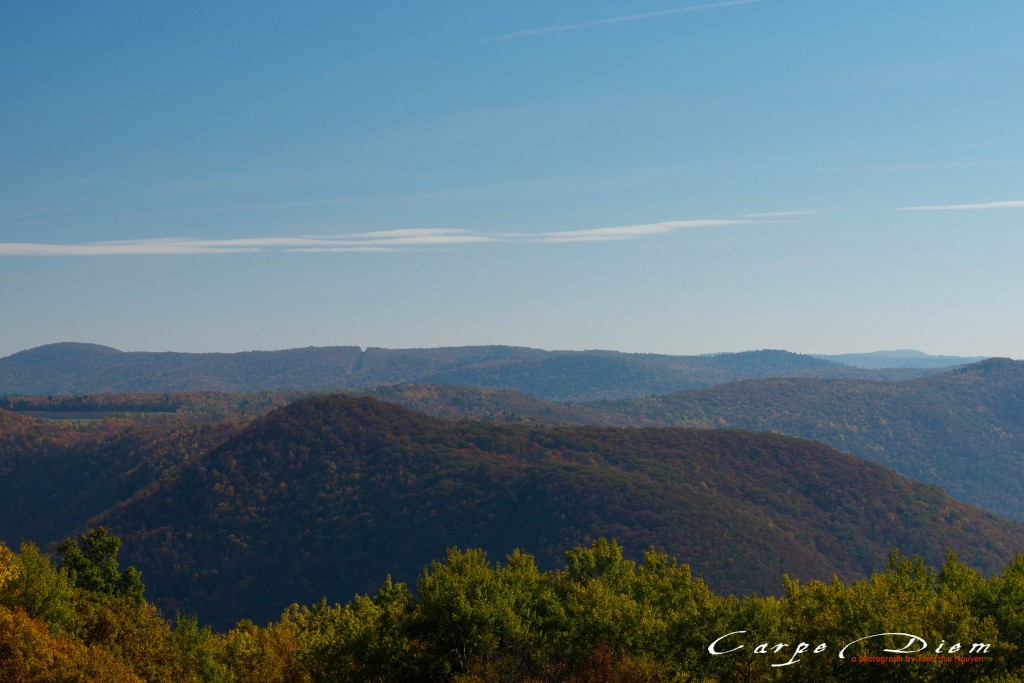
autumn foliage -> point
(599, 617)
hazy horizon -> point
(651, 176)
(364, 347)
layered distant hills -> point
(326, 496)
(235, 504)
(962, 430)
(71, 368)
(904, 358)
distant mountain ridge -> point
(73, 368)
(902, 358)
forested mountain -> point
(330, 494)
(904, 358)
(70, 368)
(209, 405)
(962, 430)
(54, 477)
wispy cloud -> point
(376, 241)
(339, 250)
(618, 20)
(1015, 204)
(627, 232)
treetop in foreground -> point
(599, 617)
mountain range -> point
(234, 504)
(73, 368)
(962, 430)
(326, 496)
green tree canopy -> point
(91, 564)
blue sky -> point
(645, 176)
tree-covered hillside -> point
(55, 477)
(962, 430)
(327, 495)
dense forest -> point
(211, 405)
(70, 368)
(597, 617)
(962, 430)
(326, 496)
